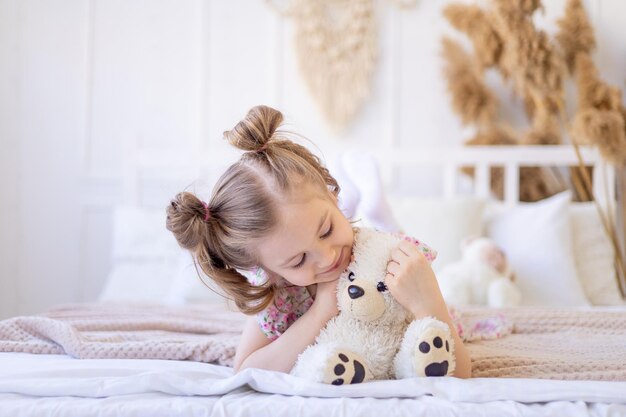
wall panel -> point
(9, 155)
(146, 81)
(51, 116)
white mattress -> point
(53, 385)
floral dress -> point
(291, 302)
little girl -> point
(274, 215)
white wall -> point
(80, 79)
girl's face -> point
(312, 242)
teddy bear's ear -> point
(466, 241)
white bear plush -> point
(374, 337)
(482, 277)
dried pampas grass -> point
(604, 129)
(546, 129)
(532, 61)
(593, 92)
(471, 99)
(575, 33)
(522, 7)
(473, 21)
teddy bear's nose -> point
(355, 292)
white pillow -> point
(188, 288)
(144, 256)
(440, 223)
(537, 240)
(593, 253)
(138, 280)
(140, 233)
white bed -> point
(59, 385)
(52, 385)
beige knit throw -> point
(553, 344)
(546, 343)
(105, 331)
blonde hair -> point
(221, 234)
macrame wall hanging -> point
(336, 43)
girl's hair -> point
(221, 233)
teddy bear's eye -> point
(351, 276)
(381, 287)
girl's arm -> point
(256, 351)
(413, 284)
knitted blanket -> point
(553, 344)
(545, 343)
(100, 331)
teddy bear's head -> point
(361, 290)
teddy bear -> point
(373, 337)
(482, 276)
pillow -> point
(593, 253)
(140, 233)
(537, 240)
(149, 266)
(139, 281)
(440, 223)
(144, 256)
(188, 286)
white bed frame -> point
(609, 183)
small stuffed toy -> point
(483, 276)
(373, 336)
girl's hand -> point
(326, 299)
(412, 282)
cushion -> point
(593, 254)
(140, 233)
(191, 286)
(145, 256)
(148, 264)
(440, 223)
(138, 281)
(537, 240)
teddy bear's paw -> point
(434, 355)
(345, 367)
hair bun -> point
(184, 219)
(256, 129)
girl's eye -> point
(381, 287)
(351, 276)
(299, 264)
(330, 231)
(324, 236)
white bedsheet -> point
(54, 385)
(253, 404)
